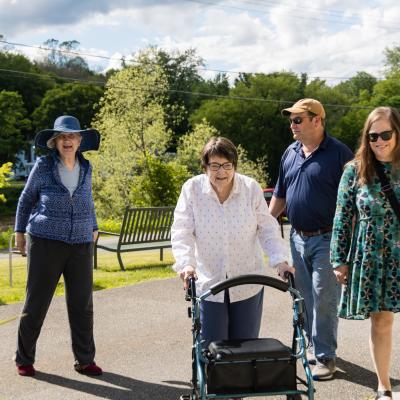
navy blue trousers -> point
(236, 320)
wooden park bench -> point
(144, 228)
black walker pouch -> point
(250, 366)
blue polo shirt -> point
(310, 184)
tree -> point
(13, 122)
(22, 76)
(62, 60)
(335, 102)
(217, 86)
(387, 92)
(255, 122)
(356, 85)
(190, 147)
(59, 54)
(131, 122)
(160, 183)
(181, 72)
(74, 99)
(350, 125)
(392, 59)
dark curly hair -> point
(219, 146)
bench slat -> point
(138, 246)
(147, 218)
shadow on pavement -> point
(359, 375)
(123, 387)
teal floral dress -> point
(366, 237)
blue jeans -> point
(315, 280)
(237, 320)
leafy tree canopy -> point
(62, 60)
(255, 122)
(361, 82)
(387, 92)
(159, 184)
(131, 122)
(180, 69)
(18, 74)
(12, 123)
(75, 99)
(392, 59)
(191, 145)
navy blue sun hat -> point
(66, 123)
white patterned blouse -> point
(225, 240)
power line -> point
(303, 8)
(76, 53)
(26, 75)
(126, 60)
(265, 10)
(334, 12)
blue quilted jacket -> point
(46, 208)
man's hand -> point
(186, 273)
(281, 268)
(341, 274)
(20, 242)
(95, 235)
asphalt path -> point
(143, 342)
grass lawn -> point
(140, 266)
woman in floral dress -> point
(365, 247)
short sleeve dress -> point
(366, 236)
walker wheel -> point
(185, 397)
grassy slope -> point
(140, 266)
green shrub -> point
(109, 225)
(5, 238)
(159, 182)
(11, 193)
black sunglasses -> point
(385, 135)
(299, 120)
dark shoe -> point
(324, 370)
(89, 369)
(26, 370)
(380, 394)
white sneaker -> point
(324, 370)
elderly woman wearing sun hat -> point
(56, 210)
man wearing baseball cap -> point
(307, 185)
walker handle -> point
(248, 280)
(191, 290)
(290, 277)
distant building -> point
(25, 160)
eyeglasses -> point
(214, 166)
(299, 120)
(385, 135)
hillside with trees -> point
(157, 111)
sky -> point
(329, 39)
